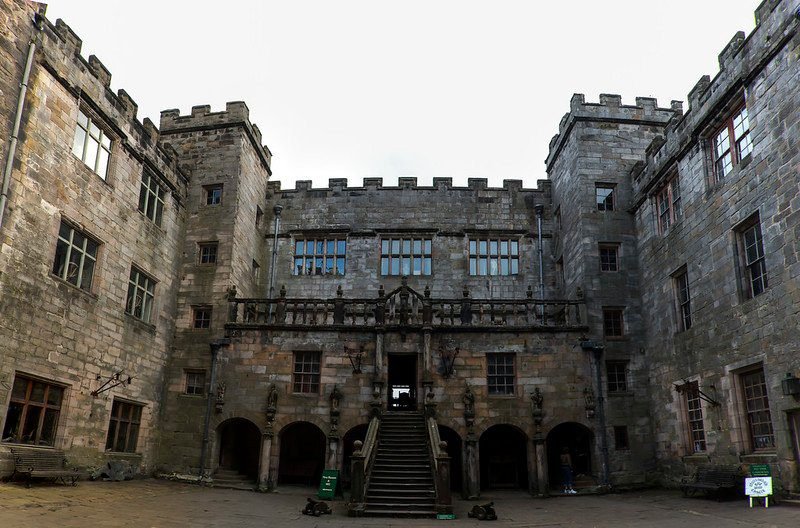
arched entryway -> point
(578, 439)
(454, 450)
(359, 432)
(302, 454)
(504, 458)
(239, 442)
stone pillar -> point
(379, 355)
(264, 483)
(426, 353)
(543, 480)
(444, 499)
(472, 468)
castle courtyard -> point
(158, 503)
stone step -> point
(409, 513)
(402, 490)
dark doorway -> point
(504, 458)
(402, 390)
(454, 450)
(358, 432)
(302, 454)
(578, 439)
(239, 446)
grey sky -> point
(348, 89)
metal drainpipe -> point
(215, 346)
(12, 143)
(277, 209)
(539, 212)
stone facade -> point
(636, 330)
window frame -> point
(315, 263)
(683, 299)
(205, 255)
(617, 381)
(483, 252)
(749, 413)
(609, 311)
(202, 317)
(603, 205)
(26, 404)
(621, 438)
(726, 134)
(151, 192)
(306, 380)
(191, 389)
(86, 129)
(147, 292)
(747, 266)
(404, 250)
(607, 265)
(210, 197)
(501, 383)
(65, 247)
(133, 421)
(695, 419)
(668, 204)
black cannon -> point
(483, 512)
(315, 508)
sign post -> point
(328, 484)
(759, 483)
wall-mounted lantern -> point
(791, 385)
(355, 355)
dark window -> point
(256, 270)
(500, 373)
(259, 216)
(759, 419)
(560, 277)
(123, 428)
(195, 382)
(406, 256)
(76, 256)
(694, 409)
(91, 145)
(609, 257)
(683, 300)
(621, 437)
(613, 323)
(139, 302)
(213, 194)
(306, 372)
(208, 252)
(751, 251)
(604, 194)
(617, 372)
(668, 204)
(324, 256)
(33, 412)
(202, 317)
(151, 198)
(494, 257)
(734, 132)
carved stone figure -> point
(220, 401)
(272, 402)
(336, 398)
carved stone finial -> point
(529, 293)
(335, 398)
(404, 281)
(231, 294)
(381, 291)
(283, 291)
(357, 445)
(427, 292)
(465, 292)
(339, 291)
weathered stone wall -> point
(729, 331)
(51, 329)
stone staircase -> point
(232, 479)
(401, 480)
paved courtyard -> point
(155, 503)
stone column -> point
(264, 483)
(542, 482)
(379, 356)
(472, 469)
(426, 353)
(332, 461)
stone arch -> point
(238, 446)
(301, 453)
(455, 450)
(503, 453)
(579, 441)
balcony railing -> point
(406, 308)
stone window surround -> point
(694, 417)
(151, 197)
(614, 329)
(668, 204)
(143, 287)
(321, 255)
(609, 256)
(194, 382)
(129, 413)
(412, 255)
(728, 140)
(617, 380)
(306, 372)
(212, 194)
(732, 384)
(604, 201)
(207, 253)
(499, 382)
(201, 317)
(753, 278)
(486, 251)
(44, 404)
(67, 244)
(90, 125)
(682, 298)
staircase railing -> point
(441, 460)
(361, 465)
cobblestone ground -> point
(154, 503)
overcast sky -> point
(353, 89)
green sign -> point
(445, 516)
(328, 484)
(760, 470)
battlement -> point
(339, 185)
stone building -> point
(165, 303)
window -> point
(306, 372)
(76, 256)
(694, 410)
(33, 412)
(256, 270)
(195, 382)
(613, 323)
(213, 194)
(151, 198)
(201, 317)
(406, 256)
(751, 254)
(621, 438)
(560, 277)
(91, 145)
(208, 252)
(123, 429)
(734, 132)
(494, 257)
(617, 373)
(683, 300)
(668, 204)
(325, 256)
(759, 419)
(609, 257)
(604, 195)
(500, 373)
(140, 295)
(259, 216)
